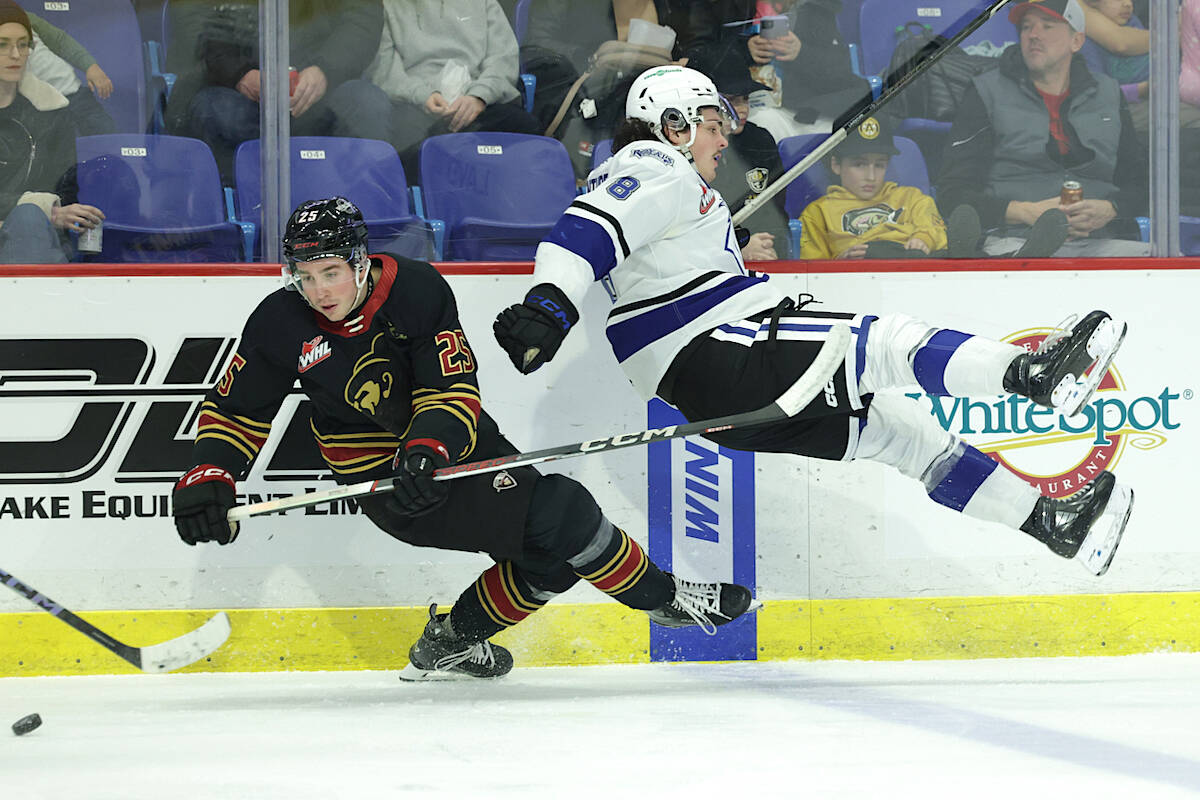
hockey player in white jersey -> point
(691, 325)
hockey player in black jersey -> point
(376, 344)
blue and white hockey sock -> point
(902, 351)
(901, 433)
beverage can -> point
(1072, 192)
(91, 240)
(293, 79)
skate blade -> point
(755, 605)
(1103, 345)
(414, 674)
(1100, 545)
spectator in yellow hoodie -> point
(865, 216)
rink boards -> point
(98, 379)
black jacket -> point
(819, 82)
(37, 122)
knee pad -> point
(902, 434)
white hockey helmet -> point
(671, 97)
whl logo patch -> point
(313, 353)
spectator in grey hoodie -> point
(420, 38)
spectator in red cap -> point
(1042, 119)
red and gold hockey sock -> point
(499, 599)
(624, 571)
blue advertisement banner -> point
(701, 515)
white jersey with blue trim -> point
(662, 241)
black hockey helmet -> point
(322, 228)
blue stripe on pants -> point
(963, 480)
(930, 362)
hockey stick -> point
(901, 77)
(162, 657)
(797, 396)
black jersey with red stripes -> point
(397, 369)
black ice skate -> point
(1086, 526)
(1054, 375)
(705, 604)
(440, 654)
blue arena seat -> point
(906, 169)
(109, 30)
(521, 19)
(601, 152)
(498, 193)
(366, 171)
(161, 197)
(997, 30)
(881, 20)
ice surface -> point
(1016, 729)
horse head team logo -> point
(371, 381)
(1060, 454)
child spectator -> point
(865, 216)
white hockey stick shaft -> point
(791, 402)
(162, 657)
(894, 85)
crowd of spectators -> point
(1066, 103)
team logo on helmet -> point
(869, 129)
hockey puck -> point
(26, 724)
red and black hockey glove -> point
(413, 487)
(531, 332)
(200, 502)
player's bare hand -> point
(463, 111)
(75, 217)
(436, 105)
(916, 243)
(761, 247)
(98, 81)
(250, 86)
(1088, 216)
(311, 86)
(785, 48)
(760, 49)
(855, 251)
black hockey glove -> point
(531, 332)
(200, 502)
(413, 487)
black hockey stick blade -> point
(791, 402)
(163, 657)
(895, 83)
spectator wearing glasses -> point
(37, 156)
